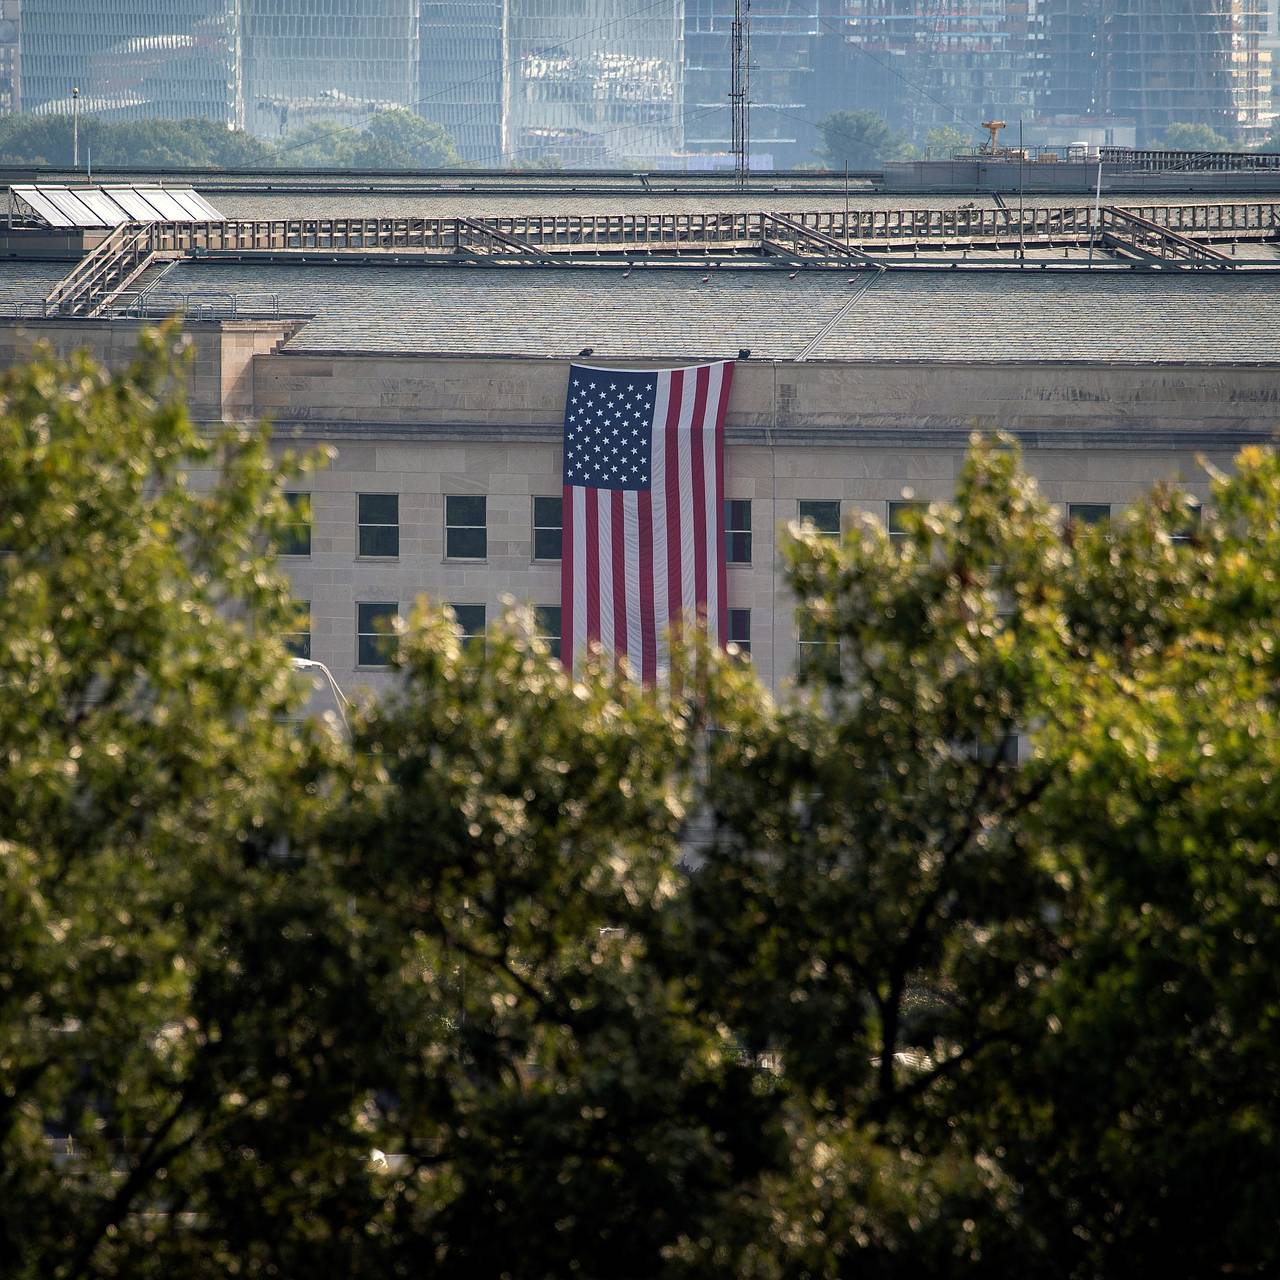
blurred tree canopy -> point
(395, 139)
(860, 139)
(941, 143)
(931, 998)
(1195, 137)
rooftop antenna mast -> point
(740, 91)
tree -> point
(30, 139)
(1194, 137)
(394, 139)
(859, 139)
(944, 141)
(1024, 1010)
(237, 958)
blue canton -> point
(608, 428)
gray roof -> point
(25, 283)
(962, 315)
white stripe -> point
(658, 480)
(579, 637)
(712, 497)
(688, 577)
(631, 523)
(604, 506)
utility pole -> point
(740, 90)
(75, 127)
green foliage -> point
(395, 139)
(941, 143)
(859, 139)
(920, 1009)
(1194, 137)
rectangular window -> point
(815, 651)
(1191, 527)
(298, 638)
(470, 618)
(546, 626)
(737, 531)
(375, 637)
(295, 537)
(548, 528)
(379, 519)
(824, 516)
(1088, 512)
(466, 534)
(740, 629)
(899, 518)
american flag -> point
(643, 509)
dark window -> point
(375, 638)
(379, 524)
(899, 513)
(1190, 527)
(815, 650)
(737, 531)
(466, 534)
(298, 638)
(295, 537)
(546, 626)
(548, 528)
(824, 516)
(470, 618)
(1088, 512)
(740, 629)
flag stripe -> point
(698, 494)
(659, 601)
(675, 574)
(579, 595)
(721, 552)
(649, 599)
(621, 602)
(567, 647)
(592, 539)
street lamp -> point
(75, 126)
(340, 698)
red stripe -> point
(703, 379)
(592, 534)
(648, 624)
(672, 480)
(618, 529)
(566, 580)
(722, 622)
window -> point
(546, 626)
(375, 639)
(466, 534)
(295, 537)
(740, 629)
(548, 528)
(470, 618)
(815, 651)
(379, 518)
(824, 516)
(298, 638)
(899, 513)
(1088, 512)
(737, 531)
(1190, 527)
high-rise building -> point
(1159, 63)
(10, 56)
(783, 38)
(130, 59)
(460, 82)
(594, 84)
(329, 61)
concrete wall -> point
(814, 400)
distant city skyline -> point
(630, 81)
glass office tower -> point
(326, 61)
(460, 82)
(130, 59)
(594, 84)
